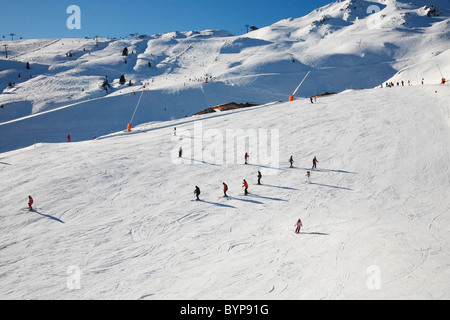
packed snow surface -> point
(119, 213)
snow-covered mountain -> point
(347, 44)
(115, 218)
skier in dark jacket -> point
(197, 192)
(259, 177)
(291, 160)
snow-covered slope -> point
(347, 44)
(115, 218)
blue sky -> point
(113, 18)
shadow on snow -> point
(47, 216)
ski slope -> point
(117, 213)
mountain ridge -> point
(343, 45)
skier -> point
(311, 100)
(197, 192)
(245, 185)
(180, 152)
(30, 203)
(68, 138)
(175, 131)
(308, 175)
(291, 160)
(314, 163)
(299, 226)
(246, 158)
(259, 177)
(225, 189)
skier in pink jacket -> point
(299, 226)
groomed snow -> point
(118, 211)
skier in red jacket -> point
(225, 189)
(246, 158)
(245, 186)
(314, 163)
(30, 203)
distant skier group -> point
(391, 84)
(197, 191)
(245, 185)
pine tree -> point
(122, 80)
(106, 85)
(125, 52)
(28, 66)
